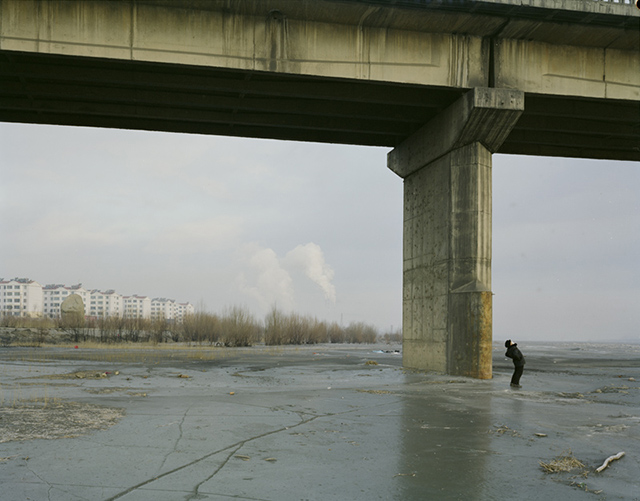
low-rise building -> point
(55, 294)
(21, 297)
(84, 294)
(107, 304)
(136, 306)
(162, 308)
(182, 310)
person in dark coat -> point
(518, 361)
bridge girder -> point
(80, 91)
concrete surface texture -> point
(346, 40)
(446, 166)
(327, 422)
(355, 72)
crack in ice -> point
(180, 433)
(234, 446)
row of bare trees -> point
(237, 327)
(233, 327)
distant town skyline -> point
(71, 285)
(25, 297)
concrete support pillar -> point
(446, 167)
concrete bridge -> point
(446, 83)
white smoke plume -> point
(310, 258)
(267, 278)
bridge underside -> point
(83, 91)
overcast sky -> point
(315, 229)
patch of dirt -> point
(614, 428)
(570, 395)
(55, 420)
(504, 429)
(80, 375)
(103, 391)
(613, 389)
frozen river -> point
(324, 422)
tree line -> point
(233, 327)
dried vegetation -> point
(565, 462)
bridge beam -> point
(446, 167)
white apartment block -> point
(162, 308)
(107, 304)
(137, 306)
(55, 294)
(182, 310)
(24, 297)
(53, 297)
(169, 309)
(20, 297)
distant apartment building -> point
(169, 309)
(107, 304)
(21, 297)
(136, 306)
(163, 309)
(182, 310)
(82, 292)
(55, 294)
